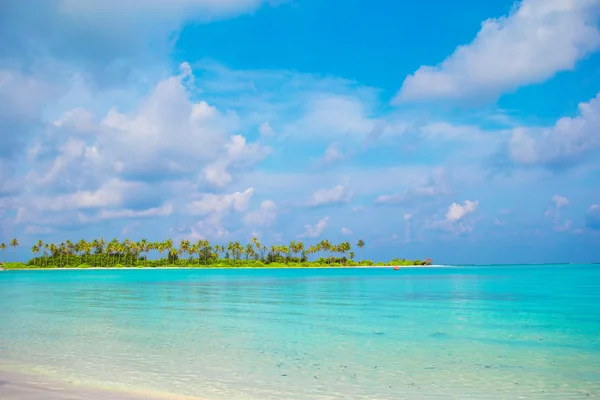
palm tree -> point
(53, 251)
(3, 248)
(230, 249)
(311, 250)
(35, 249)
(249, 250)
(343, 248)
(46, 249)
(14, 244)
(100, 249)
(173, 253)
(194, 249)
(206, 249)
(361, 244)
(80, 248)
(144, 247)
(218, 250)
(326, 246)
(132, 249)
(184, 246)
(238, 250)
(88, 249)
(257, 245)
(168, 249)
(61, 250)
(68, 249)
(300, 249)
(286, 252)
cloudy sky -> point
(465, 131)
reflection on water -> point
(481, 333)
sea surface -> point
(502, 332)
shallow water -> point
(439, 333)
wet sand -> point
(18, 386)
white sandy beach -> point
(18, 386)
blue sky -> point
(464, 131)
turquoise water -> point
(439, 333)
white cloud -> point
(110, 194)
(535, 41)
(336, 195)
(238, 154)
(333, 153)
(162, 211)
(265, 129)
(219, 203)
(213, 209)
(569, 141)
(553, 213)
(435, 186)
(346, 231)
(333, 115)
(160, 9)
(265, 215)
(314, 231)
(560, 201)
(456, 212)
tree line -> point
(99, 253)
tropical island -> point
(99, 253)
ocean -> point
(498, 332)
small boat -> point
(396, 268)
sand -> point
(18, 386)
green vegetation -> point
(114, 254)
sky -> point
(463, 131)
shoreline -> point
(224, 268)
(16, 385)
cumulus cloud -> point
(569, 141)
(314, 231)
(219, 203)
(213, 210)
(456, 212)
(346, 231)
(535, 41)
(125, 165)
(107, 37)
(265, 215)
(167, 137)
(455, 220)
(265, 129)
(336, 195)
(238, 154)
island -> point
(99, 253)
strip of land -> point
(23, 267)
